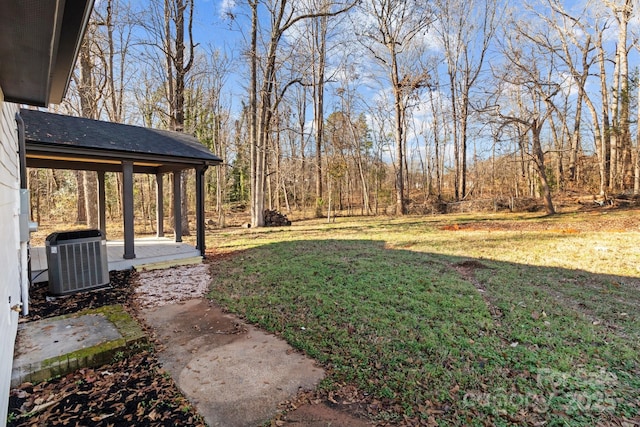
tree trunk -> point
(456, 143)
(538, 156)
(320, 43)
(464, 117)
(87, 181)
(221, 178)
(636, 178)
(398, 109)
(177, 69)
(606, 124)
(625, 168)
(255, 188)
(81, 217)
(90, 184)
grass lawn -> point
(453, 320)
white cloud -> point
(568, 84)
(227, 8)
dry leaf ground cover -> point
(453, 320)
(133, 390)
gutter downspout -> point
(25, 261)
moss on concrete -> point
(133, 339)
(168, 264)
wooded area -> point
(373, 107)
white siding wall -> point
(9, 246)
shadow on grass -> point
(459, 339)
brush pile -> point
(273, 218)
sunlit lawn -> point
(468, 320)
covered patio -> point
(151, 252)
(56, 141)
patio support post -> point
(102, 218)
(127, 209)
(200, 226)
(177, 212)
(159, 205)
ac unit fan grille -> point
(77, 265)
(80, 266)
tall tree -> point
(177, 68)
(570, 39)
(282, 16)
(467, 29)
(526, 99)
(319, 49)
(169, 51)
(621, 171)
(395, 40)
(89, 95)
(256, 156)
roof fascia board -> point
(70, 151)
(74, 27)
(102, 167)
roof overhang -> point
(55, 141)
(47, 157)
(39, 43)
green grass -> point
(552, 335)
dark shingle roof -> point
(75, 132)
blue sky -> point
(213, 27)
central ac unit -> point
(77, 261)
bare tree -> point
(256, 161)
(356, 132)
(621, 171)
(177, 69)
(169, 54)
(439, 133)
(527, 99)
(319, 49)
(636, 151)
(395, 41)
(90, 89)
(282, 16)
(571, 39)
(208, 115)
(467, 29)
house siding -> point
(10, 252)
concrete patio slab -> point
(56, 346)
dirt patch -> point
(467, 269)
(471, 265)
(321, 415)
(599, 219)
